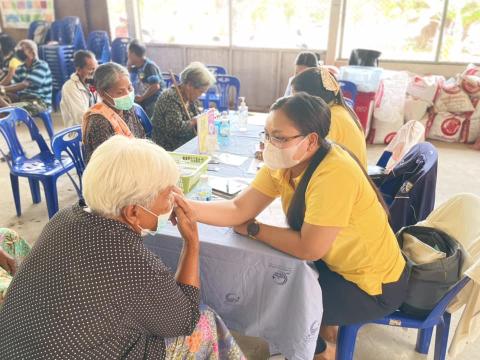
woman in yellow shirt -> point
(336, 217)
(345, 128)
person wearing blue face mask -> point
(90, 288)
(114, 115)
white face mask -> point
(162, 220)
(276, 158)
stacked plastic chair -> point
(168, 79)
(60, 61)
(98, 42)
(38, 31)
(120, 50)
(73, 33)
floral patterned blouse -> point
(171, 126)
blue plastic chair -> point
(60, 62)
(224, 84)
(99, 43)
(72, 32)
(349, 92)
(120, 50)
(43, 167)
(217, 69)
(438, 317)
(69, 141)
(33, 27)
(168, 79)
(46, 117)
(56, 31)
(144, 119)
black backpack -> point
(430, 282)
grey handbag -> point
(431, 281)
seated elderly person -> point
(145, 75)
(90, 289)
(31, 86)
(172, 126)
(78, 93)
(115, 114)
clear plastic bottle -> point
(224, 130)
(203, 189)
(242, 115)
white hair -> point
(32, 45)
(124, 172)
(197, 75)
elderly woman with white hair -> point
(172, 126)
(31, 86)
(91, 290)
(115, 114)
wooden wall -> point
(263, 73)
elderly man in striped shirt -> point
(31, 88)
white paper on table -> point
(231, 159)
(255, 165)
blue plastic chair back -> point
(144, 119)
(349, 91)
(224, 85)
(217, 70)
(9, 116)
(33, 27)
(56, 31)
(383, 161)
(168, 79)
(99, 43)
(72, 32)
(69, 141)
(120, 50)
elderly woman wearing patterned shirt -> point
(91, 290)
(115, 114)
(172, 126)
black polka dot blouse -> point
(90, 290)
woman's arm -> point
(311, 243)
(246, 205)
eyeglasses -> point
(277, 140)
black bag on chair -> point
(364, 57)
(430, 281)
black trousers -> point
(345, 303)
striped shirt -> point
(40, 79)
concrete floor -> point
(459, 171)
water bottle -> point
(242, 115)
(203, 189)
(224, 130)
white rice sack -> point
(425, 87)
(471, 126)
(445, 126)
(453, 99)
(470, 81)
(415, 109)
(389, 110)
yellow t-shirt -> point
(344, 131)
(14, 63)
(365, 251)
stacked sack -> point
(388, 114)
(455, 114)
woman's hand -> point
(185, 219)
(7, 262)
